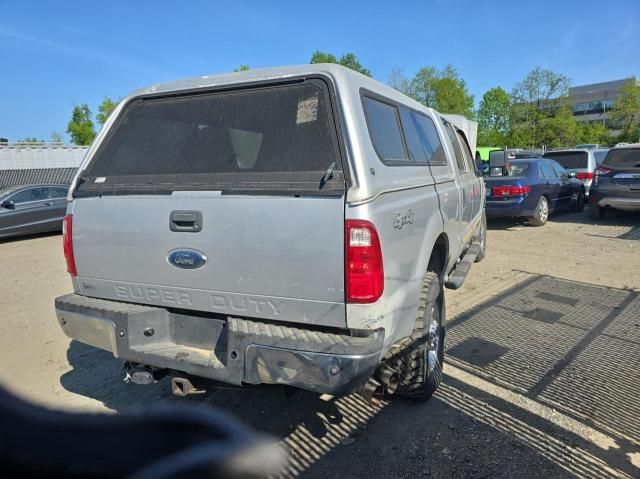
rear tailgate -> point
(620, 171)
(574, 161)
(244, 175)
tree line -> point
(536, 112)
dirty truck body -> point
(267, 227)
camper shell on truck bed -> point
(271, 226)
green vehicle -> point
(482, 156)
(482, 152)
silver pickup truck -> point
(290, 226)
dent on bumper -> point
(234, 350)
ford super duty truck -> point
(290, 226)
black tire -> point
(419, 359)
(483, 239)
(541, 214)
(579, 206)
(597, 212)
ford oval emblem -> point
(187, 258)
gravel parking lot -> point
(542, 378)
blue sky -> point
(56, 54)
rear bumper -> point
(619, 203)
(509, 208)
(234, 350)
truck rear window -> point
(277, 137)
(571, 160)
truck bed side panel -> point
(408, 222)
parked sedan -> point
(32, 209)
(617, 183)
(533, 188)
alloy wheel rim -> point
(544, 210)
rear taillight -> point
(603, 170)
(510, 190)
(67, 244)
(584, 176)
(364, 275)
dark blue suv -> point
(617, 182)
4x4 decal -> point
(401, 220)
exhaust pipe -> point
(388, 378)
(372, 392)
(183, 387)
(383, 380)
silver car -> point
(580, 163)
(30, 209)
(600, 154)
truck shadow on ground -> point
(542, 381)
(613, 218)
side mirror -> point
(8, 204)
(483, 169)
(572, 174)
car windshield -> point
(518, 169)
(624, 157)
(570, 159)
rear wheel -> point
(418, 359)
(541, 214)
(597, 212)
(579, 206)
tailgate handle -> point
(185, 221)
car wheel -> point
(597, 212)
(419, 359)
(482, 237)
(579, 206)
(541, 214)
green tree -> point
(242, 68)
(422, 87)
(594, 132)
(626, 111)
(536, 98)
(105, 109)
(322, 57)
(348, 60)
(559, 130)
(493, 117)
(56, 137)
(452, 95)
(443, 90)
(80, 128)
